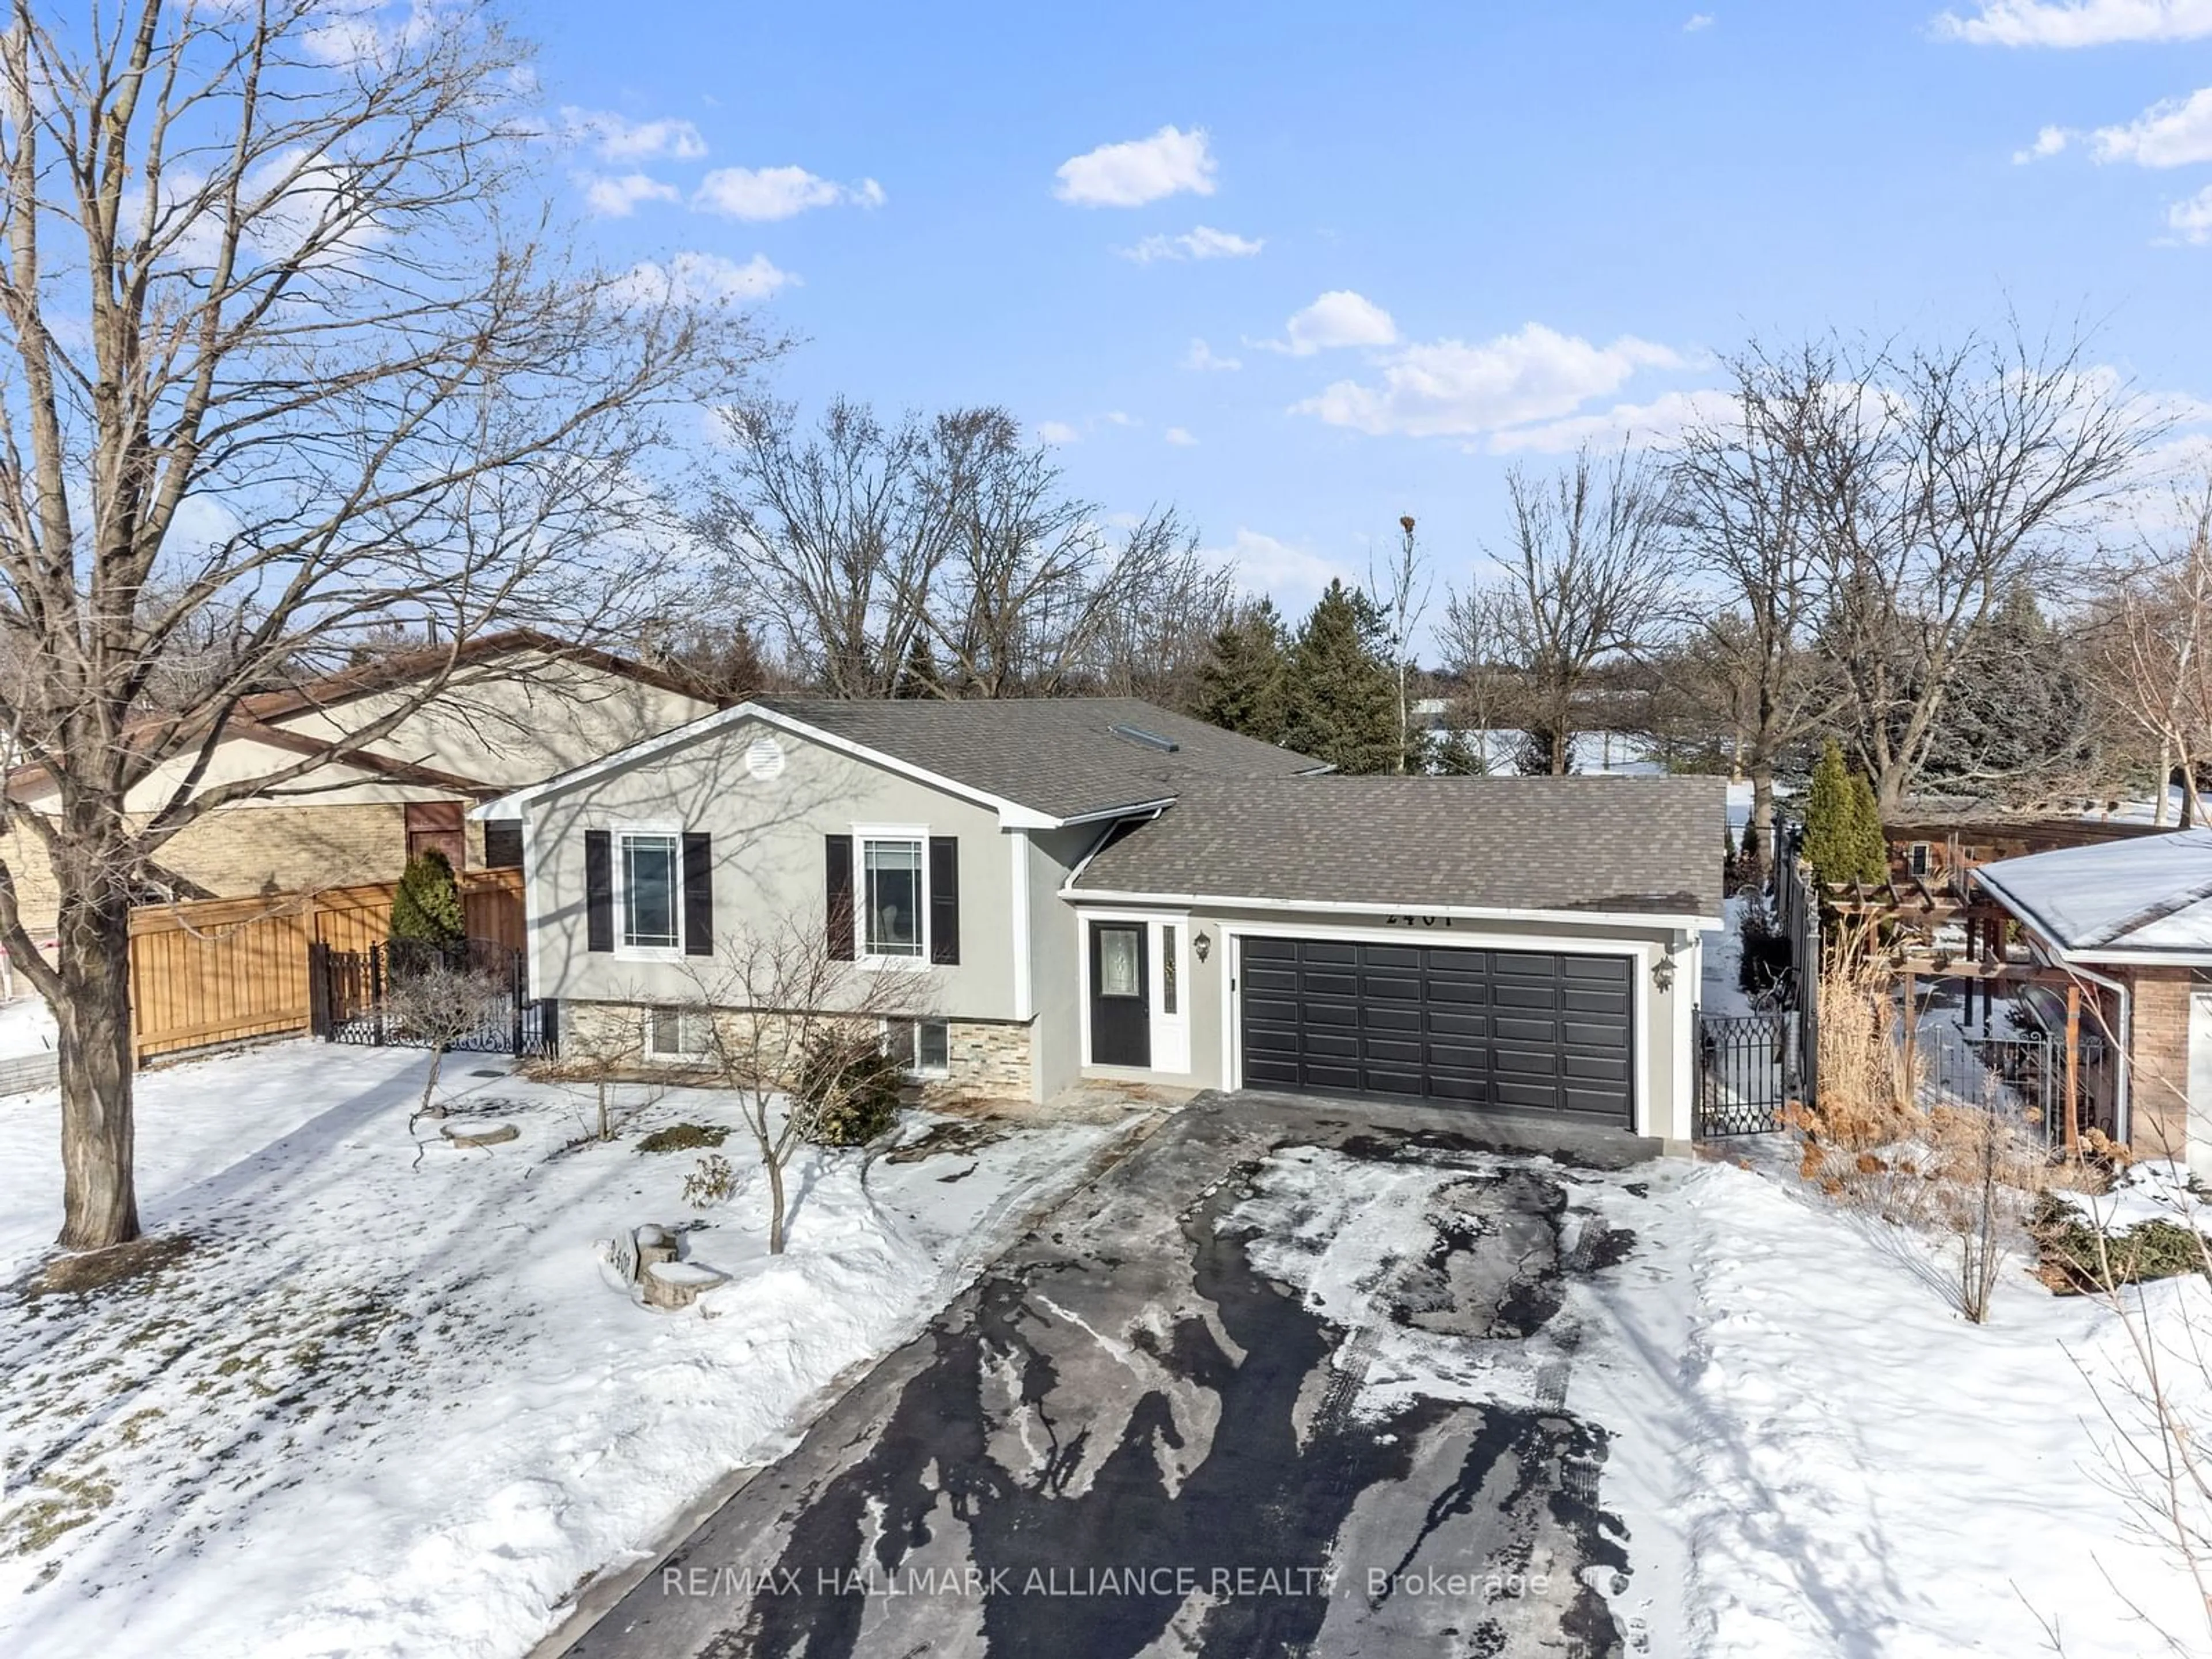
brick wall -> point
(2158, 1078)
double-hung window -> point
(892, 899)
(650, 890)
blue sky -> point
(1525, 218)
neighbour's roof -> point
(1643, 846)
(258, 717)
(1061, 756)
(2150, 893)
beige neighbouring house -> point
(520, 706)
(1098, 888)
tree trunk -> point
(775, 1207)
(100, 1199)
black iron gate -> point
(360, 997)
(1748, 1072)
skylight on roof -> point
(1137, 734)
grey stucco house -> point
(1099, 888)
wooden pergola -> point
(1911, 904)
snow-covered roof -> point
(2147, 898)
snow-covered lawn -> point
(1816, 1456)
(381, 1409)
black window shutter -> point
(599, 890)
(698, 893)
(837, 863)
(944, 898)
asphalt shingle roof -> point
(1060, 756)
(1634, 845)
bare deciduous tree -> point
(1401, 594)
(1586, 579)
(953, 541)
(2149, 637)
(1944, 479)
(776, 993)
(839, 533)
(288, 356)
(1744, 511)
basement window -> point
(923, 1047)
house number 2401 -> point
(1417, 922)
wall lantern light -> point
(1202, 944)
(1662, 972)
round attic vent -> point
(764, 757)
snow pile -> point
(382, 1410)
(1816, 1455)
(2156, 1189)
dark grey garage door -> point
(1520, 1030)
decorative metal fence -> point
(2020, 1073)
(360, 997)
(1748, 1072)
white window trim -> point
(671, 1057)
(925, 1072)
(862, 834)
(625, 952)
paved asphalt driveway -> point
(1127, 1440)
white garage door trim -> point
(1641, 952)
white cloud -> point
(618, 196)
(2078, 22)
(1119, 418)
(1180, 436)
(704, 279)
(1201, 242)
(1138, 170)
(1652, 425)
(2174, 133)
(1699, 20)
(2191, 221)
(1057, 431)
(1203, 357)
(1450, 388)
(615, 139)
(757, 193)
(1338, 318)
(2049, 141)
(1266, 564)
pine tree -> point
(1341, 705)
(427, 908)
(1843, 830)
(917, 675)
(1241, 686)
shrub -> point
(847, 1090)
(2155, 1249)
(684, 1138)
(427, 908)
(710, 1182)
(1766, 959)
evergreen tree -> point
(1240, 688)
(1843, 830)
(1341, 705)
(1459, 754)
(427, 908)
(1869, 847)
(917, 676)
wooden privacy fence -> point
(222, 970)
